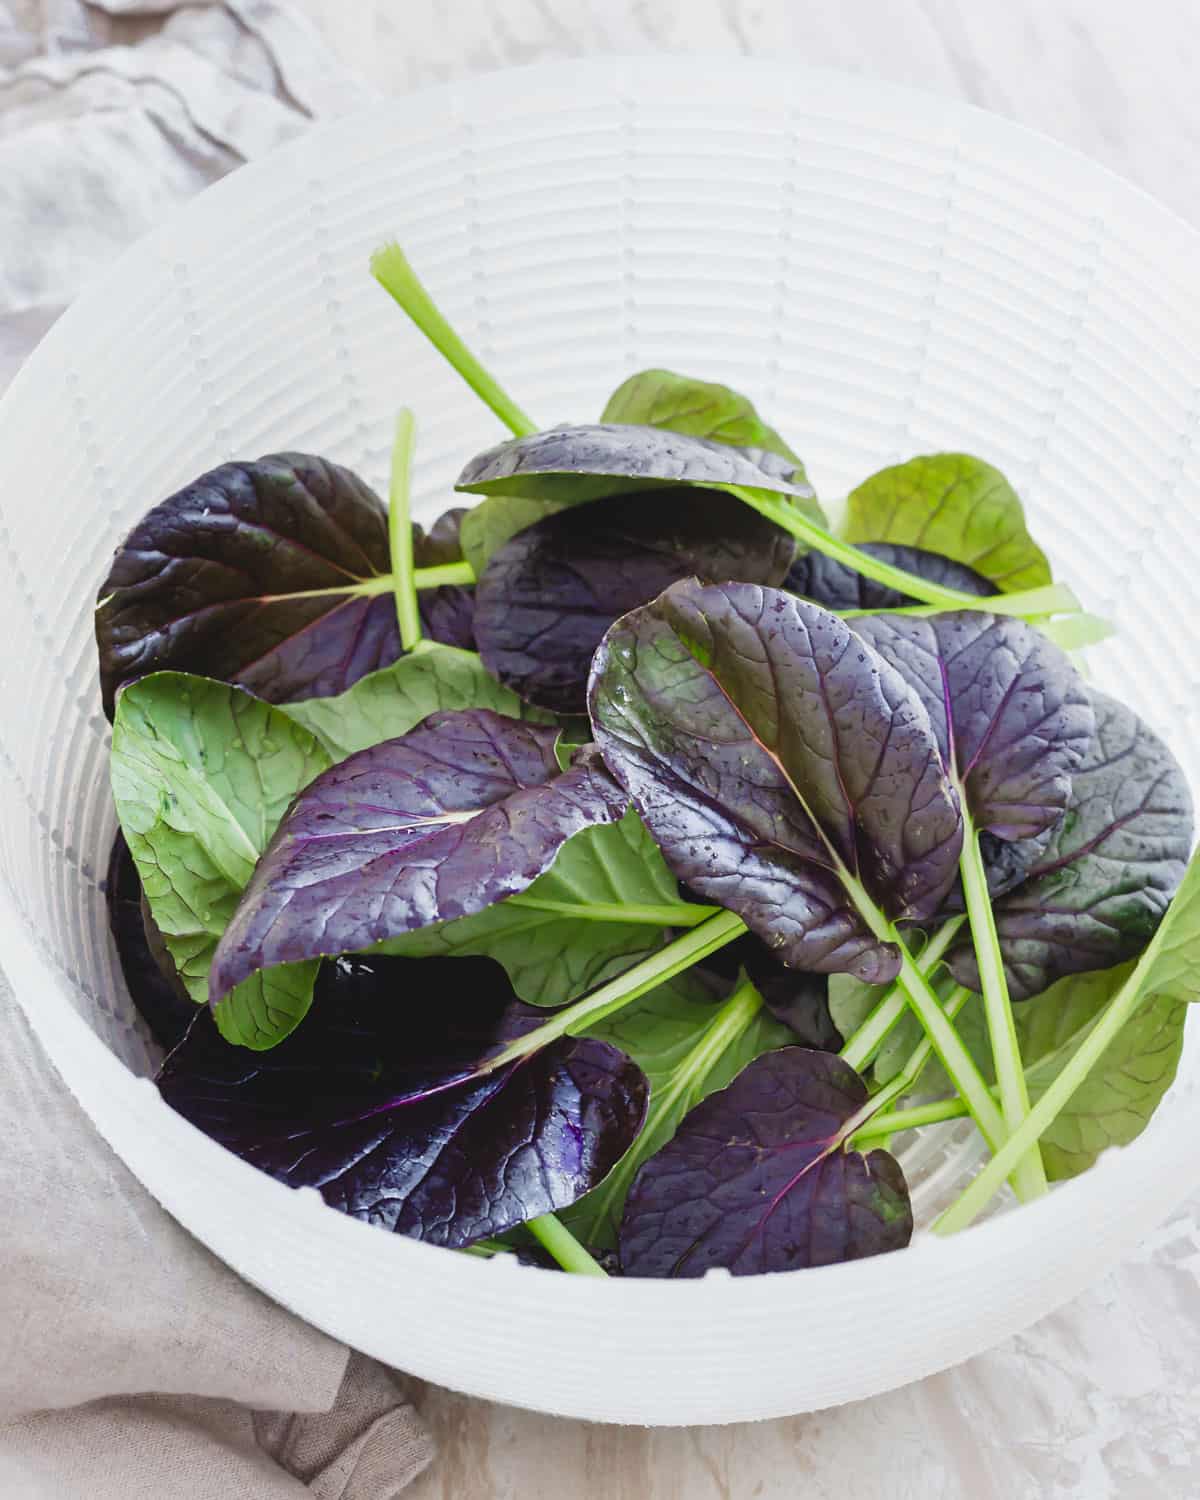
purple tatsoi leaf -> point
(442, 543)
(547, 596)
(448, 612)
(158, 994)
(758, 1178)
(785, 771)
(1012, 716)
(832, 584)
(378, 1101)
(799, 1000)
(448, 615)
(1099, 887)
(219, 580)
(466, 809)
(597, 460)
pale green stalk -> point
(652, 971)
(906, 1080)
(1053, 599)
(1116, 1014)
(957, 1061)
(554, 1236)
(400, 541)
(436, 577)
(891, 1122)
(1029, 1178)
(874, 1031)
(671, 914)
(390, 268)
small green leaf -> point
(1116, 1101)
(202, 772)
(688, 1049)
(1169, 969)
(390, 702)
(552, 957)
(265, 1008)
(956, 505)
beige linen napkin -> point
(103, 1298)
(133, 1363)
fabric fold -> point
(132, 1362)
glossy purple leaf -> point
(1012, 716)
(832, 584)
(212, 580)
(757, 1178)
(785, 771)
(598, 459)
(158, 994)
(377, 1102)
(548, 595)
(448, 612)
(468, 808)
(1098, 890)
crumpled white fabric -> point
(132, 1363)
(101, 138)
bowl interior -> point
(882, 274)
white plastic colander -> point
(883, 274)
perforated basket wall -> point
(884, 275)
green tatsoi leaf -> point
(1114, 1105)
(1115, 1102)
(1168, 970)
(688, 1048)
(202, 773)
(956, 505)
(554, 956)
(390, 702)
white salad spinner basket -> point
(883, 274)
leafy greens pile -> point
(608, 874)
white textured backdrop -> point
(1101, 1401)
